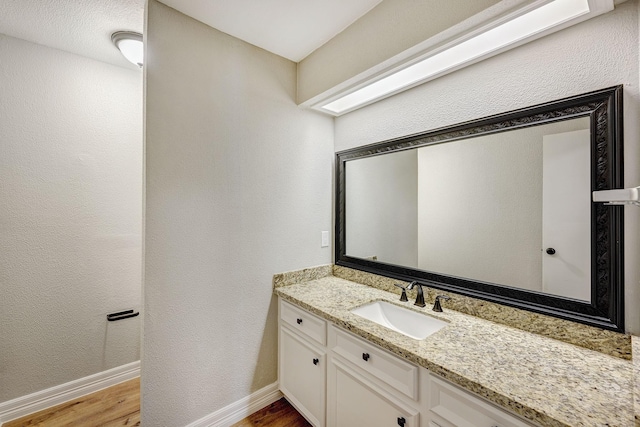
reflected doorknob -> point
(551, 251)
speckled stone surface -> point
(608, 342)
(549, 382)
(636, 372)
(300, 276)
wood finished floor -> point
(115, 406)
(119, 406)
(278, 414)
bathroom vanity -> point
(366, 385)
(340, 369)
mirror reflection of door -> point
(566, 221)
(485, 208)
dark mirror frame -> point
(604, 108)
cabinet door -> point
(302, 375)
(355, 401)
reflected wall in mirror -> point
(510, 208)
(499, 208)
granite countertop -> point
(549, 382)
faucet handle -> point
(436, 305)
(403, 297)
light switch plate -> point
(325, 239)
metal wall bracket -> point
(121, 315)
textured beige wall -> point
(595, 54)
(70, 216)
(382, 208)
(480, 212)
(238, 187)
(385, 31)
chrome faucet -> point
(420, 297)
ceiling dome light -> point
(130, 45)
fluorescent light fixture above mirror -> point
(130, 45)
(533, 21)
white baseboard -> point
(53, 396)
(240, 409)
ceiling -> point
(83, 27)
(290, 28)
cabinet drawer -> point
(304, 322)
(401, 375)
(454, 407)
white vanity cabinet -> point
(450, 406)
(337, 379)
(302, 361)
(368, 386)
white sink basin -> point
(408, 322)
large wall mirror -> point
(497, 208)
